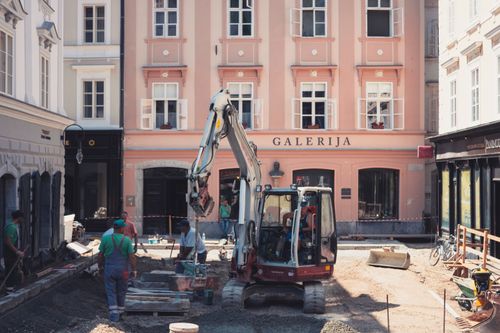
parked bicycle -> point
(445, 249)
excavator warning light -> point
(268, 187)
(258, 188)
(293, 186)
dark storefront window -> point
(313, 177)
(229, 189)
(477, 197)
(378, 194)
(445, 199)
(7, 203)
(486, 198)
(465, 198)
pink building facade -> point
(332, 90)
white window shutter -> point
(182, 114)
(397, 22)
(296, 116)
(146, 120)
(295, 22)
(331, 115)
(257, 115)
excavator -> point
(286, 240)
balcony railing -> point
(381, 114)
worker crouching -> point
(116, 253)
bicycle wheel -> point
(435, 255)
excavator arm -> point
(223, 121)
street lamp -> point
(79, 153)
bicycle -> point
(445, 249)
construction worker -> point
(11, 252)
(116, 253)
(130, 230)
(187, 246)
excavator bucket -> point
(389, 259)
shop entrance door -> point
(165, 192)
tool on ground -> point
(143, 248)
(389, 259)
(258, 265)
(15, 266)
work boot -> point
(114, 317)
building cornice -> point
(13, 11)
(93, 68)
(17, 109)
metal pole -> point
(196, 241)
(388, 322)
(444, 311)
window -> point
(165, 97)
(475, 94)
(453, 103)
(241, 97)
(445, 199)
(240, 18)
(473, 9)
(378, 194)
(465, 198)
(93, 99)
(432, 44)
(379, 105)
(378, 16)
(451, 17)
(6, 63)
(94, 24)
(44, 82)
(313, 104)
(313, 18)
(166, 18)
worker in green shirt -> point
(11, 252)
(224, 214)
(115, 254)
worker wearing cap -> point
(115, 254)
(189, 240)
(11, 252)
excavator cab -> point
(296, 238)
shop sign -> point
(45, 135)
(491, 144)
(425, 152)
(309, 141)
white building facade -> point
(92, 97)
(468, 148)
(32, 120)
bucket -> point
(389, 259)
(183, 328)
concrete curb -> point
(20, 296)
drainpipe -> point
(122, 81)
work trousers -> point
(10, 258)
(115, 283)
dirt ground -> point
(356, 302)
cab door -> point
(328, 232)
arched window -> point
(378, 193)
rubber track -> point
(314, 297)
(233, 295)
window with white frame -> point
(313, 105)
(6, 63)
(475, 94)
(473, 9)
(314, 18)
(451, 17)
(379, 105)
(453, 103)
(44, 82)
(382, 20)
(94, 24)
(166, 18)
(93, 99)
(240, 18)
(165, 105)
(242, 98)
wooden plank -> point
(178, 305)
(494, 238)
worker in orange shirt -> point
(130, 231)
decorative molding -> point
(45, 8)
(365, 68)
(248, 71)
(151, 71)
(48, 35)
(13, 11)
(473, 51)
(329, 69)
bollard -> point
(183, 328)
